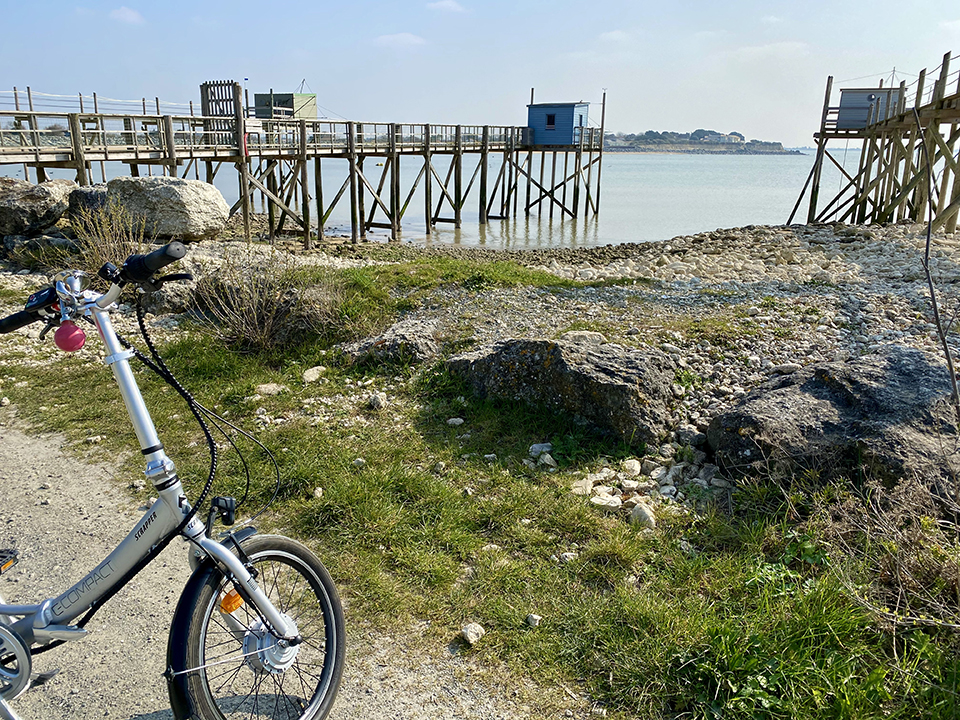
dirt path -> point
(64, 516)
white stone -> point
(472, 632)
(643, 515)
(533, 620)
(313, 374)
(318, 492)
(584, 486)
(377, 401)
(271, 389)
(359, 463)
(585, 337)
(631, 467)
(455, 422)
(607, 502)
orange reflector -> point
(230, 601)
(7, 565)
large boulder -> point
(623, 391)
(171, 207)
(87, 199)
(887, 414)
(406, 341)
(28, 209)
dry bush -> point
(264, 302)
(896, 553)
(107, 234)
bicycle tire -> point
(227, 685)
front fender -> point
(180, 699)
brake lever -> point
(154, 284)
(51, 324)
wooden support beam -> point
(457, 162)
(549, 193)
(336, 199)
(428, 182)
(484, 160)
(821, 149)
(318, 192)
(307, 241)
(276, 200)
(355, 220)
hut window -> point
(551, 122)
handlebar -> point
(140, 268)
(17, 321)
(136, 269)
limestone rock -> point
(28, 209)
(313, 374)
(887, 413)
(86, 200)
(171, 207)
(406, 341)
(472, 632)
(625, 392)
(643, 515)
(586, 337)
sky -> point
(758, 68)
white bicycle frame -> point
(50, 619)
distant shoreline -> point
(700, 151)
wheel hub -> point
(15, 664)
(267, 653)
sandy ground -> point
(65, 515)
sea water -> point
(644, 197)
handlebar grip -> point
(140, 268)
(17, 321)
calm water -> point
(644, 198)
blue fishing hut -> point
(557, 123)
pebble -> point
(271, 389)
(538, 449)
(472, 632)
(455, 422)
(377, 401)
(533, 620)
(313, 374)
(643, 515)
(359, 463)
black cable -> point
(163, 371)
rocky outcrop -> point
(28, 209)
(171, 207)
(887, 414)
(87, 199)
(405, 341)
(623, 391)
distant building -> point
(285, 106)
(722, 139)
(557, 123)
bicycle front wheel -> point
(240, 670)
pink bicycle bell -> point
(69, 337)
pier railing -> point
(41, 137)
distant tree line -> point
(700, 138)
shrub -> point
(265, 302)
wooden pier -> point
(273, 157)
(908, 162)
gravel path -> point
(65, 515)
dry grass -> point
(264, 302)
